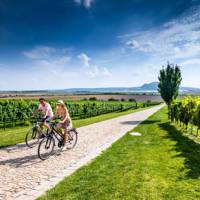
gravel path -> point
(24, 176)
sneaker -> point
(64, 148)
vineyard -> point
(19, 112)
(186, 112)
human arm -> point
(35, 112)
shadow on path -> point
(21, 161)
(142, 122)
(131, 122)
(188, 149)
(14, 148)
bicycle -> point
(34, 134)
(47, 144)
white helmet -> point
(61, 102)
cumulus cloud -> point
(177, 39)
(85, 3)
(132, 44)
(85, 59)
(91, 69)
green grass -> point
(12, 136)
(161, 164)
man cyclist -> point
(46, 109)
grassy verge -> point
(12, 136)
(161, 164)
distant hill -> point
(153, 86)
(150, 86)
(145, 88)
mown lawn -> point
(161, 164)
(12, 136)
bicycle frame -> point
(59, 136)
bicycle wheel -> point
(73, 137)
(32, 137)
(46, 147)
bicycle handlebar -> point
(52, 123)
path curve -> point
(24, 176)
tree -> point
(169, 82)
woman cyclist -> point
(66, 122)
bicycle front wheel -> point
(46, 147)
(73, 137)
(32, 137)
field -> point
(186, 114)
(52, 96)
(161, 164)
(15, 115)
(19, 112)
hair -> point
(63, 105)
(41, 99)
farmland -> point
(142, 97)
(16, 115)
(19, 112)
(161, 164)
(186, 113)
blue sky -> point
(51, 44)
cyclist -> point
(46, 109)
(66, 122)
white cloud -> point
(132, 44)
(85, 59)
(177, 39)
(106, 72)
(85, 3)
(191, 62)
(45, 56)
(91, 69)
(39, 52)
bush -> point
(132, 100)
(92, 99)
(186, 111)
(112, 99)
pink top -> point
(46, 108)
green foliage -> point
(19, 112)
(12, 136)
(186, 111)
(169, 82)
(132, 100)
(161, 165)
(92, 98)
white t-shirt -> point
(46, 108)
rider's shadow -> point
(15, 148)
(21, 161)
